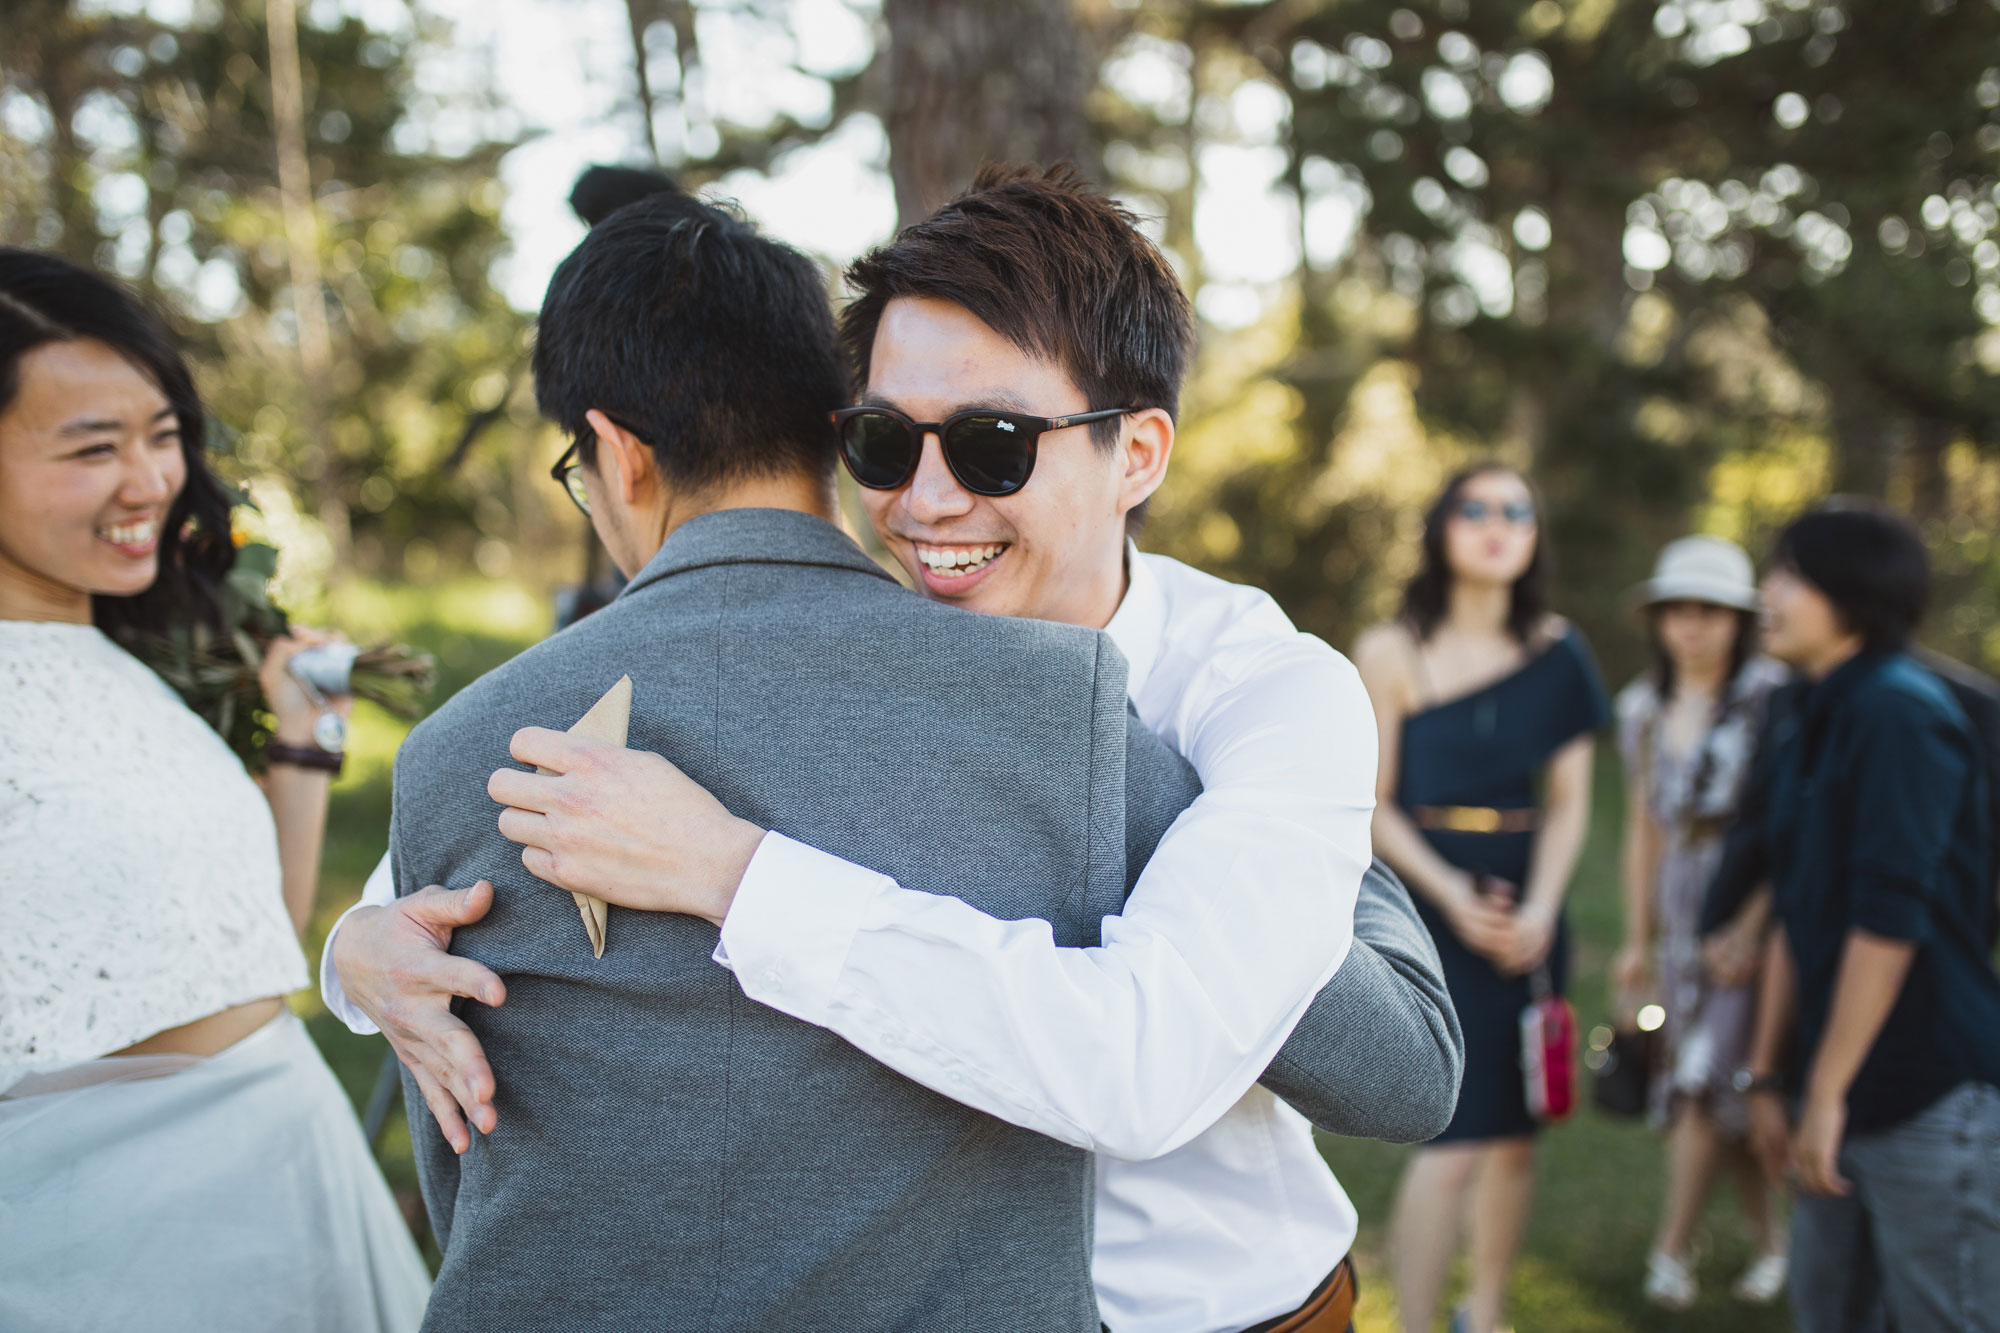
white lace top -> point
(139, 879)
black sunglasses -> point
(1517, 512)
(989, 451)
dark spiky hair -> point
(1055, 267)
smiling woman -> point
(101, 480)
(99, 457)
(158, 1101)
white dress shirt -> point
(1214, 1208)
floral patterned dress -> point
(1694, 796)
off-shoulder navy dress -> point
(1487, 750)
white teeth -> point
(948, 561)
(131, 534)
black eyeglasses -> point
(568, 470)
(990, 452)
(1517, 512)
(568, 473)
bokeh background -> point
(1693, 263)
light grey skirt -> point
(178, 1193)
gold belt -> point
(1476, 819)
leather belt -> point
(1328, 1310)
(1475, 819)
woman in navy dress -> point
(1485, 704)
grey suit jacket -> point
(1379, 1053)
(671, 1155)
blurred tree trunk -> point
(639, 15)
(971, 81)
(308, 288)
(1864, 453)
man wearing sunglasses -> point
(672, 1154)
(1001, 487)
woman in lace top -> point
(173, 1152)
(1687, 730)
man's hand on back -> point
(622, 825)
(393, 965)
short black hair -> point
(1870, 562)
(44, 300)
(711, 343)
(1055, 267)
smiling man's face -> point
(1053, 550)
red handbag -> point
(1548, 1051)
(1548, 1032)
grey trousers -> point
(1915, 1248)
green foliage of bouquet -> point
(215, 671)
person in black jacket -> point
(1874, 833)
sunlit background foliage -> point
(1693, 262)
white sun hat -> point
(1701, 569)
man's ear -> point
(1147, 442)
(625, 464)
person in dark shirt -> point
(1876, 843)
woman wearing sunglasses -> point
(1482, 699)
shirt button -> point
(774, 980)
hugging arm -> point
(1379, 1052)
(1130, 1048)
(1133, 1047)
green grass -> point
(1600, 1178)
(470, 626)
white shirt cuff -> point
(330, 992)
(792, 923)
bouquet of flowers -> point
(215, 670)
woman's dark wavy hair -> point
(46, 300)
(1427, 596)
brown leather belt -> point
(1475, 819)
(1328, 1310)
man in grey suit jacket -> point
(1377, 1053)
(673, 1155)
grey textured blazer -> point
(673, 1156)
(1379, 1053)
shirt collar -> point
(1825, 697)
(1841, 681)
(754, 537)
(1140, 623)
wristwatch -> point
(328, 752)
(1750, 1083)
